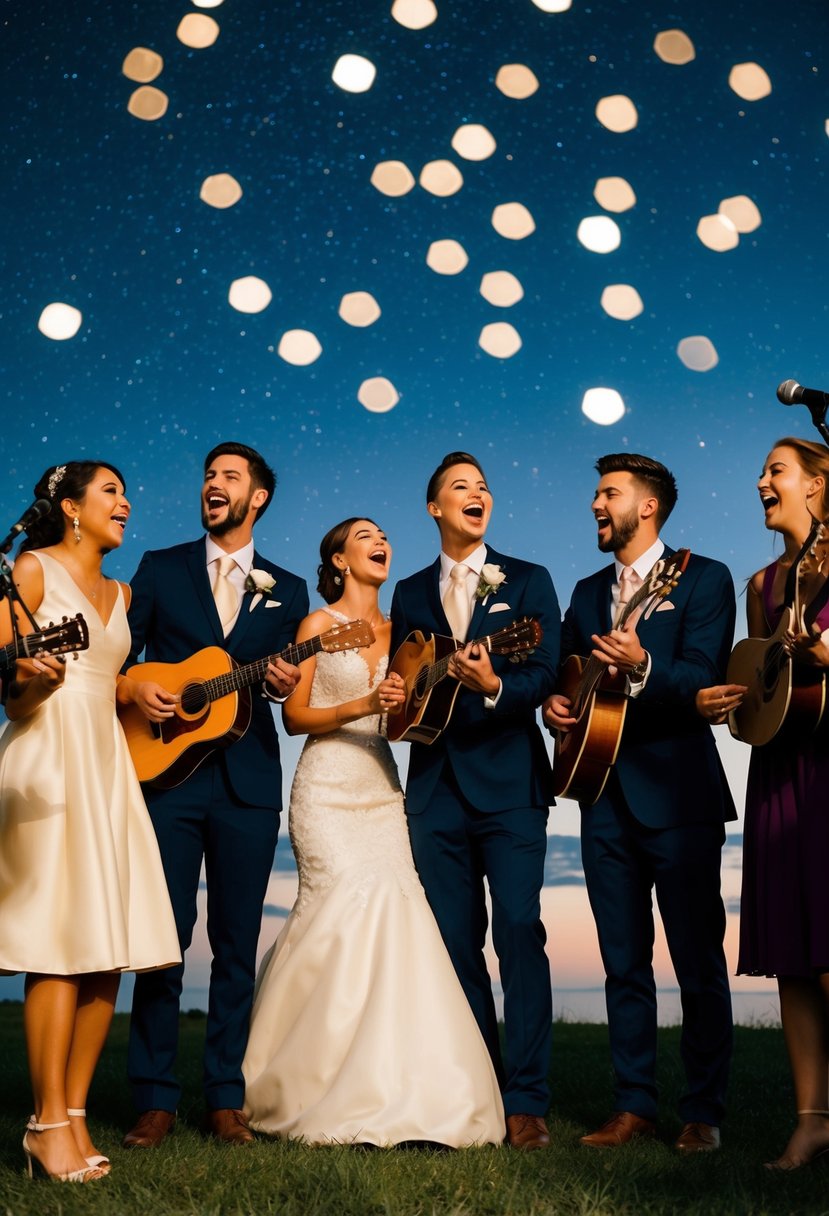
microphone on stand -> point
(792, 393)
(39, 508)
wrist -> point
(639, 670)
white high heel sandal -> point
(90, 1174)
(97, 1160)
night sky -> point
(102, 212)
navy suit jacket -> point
(499, 756)
(668, 765)
(173, 614)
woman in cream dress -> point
(360, 1032)
(82, 890)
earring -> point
(347, 570)
(76, 528)
(337, 580)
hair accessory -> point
(76, 528)
(55, 478)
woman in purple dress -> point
(784, 910)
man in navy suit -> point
(659, 822)
(477, 797)
(215, 591)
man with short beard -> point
(210, 592)
(658, 824)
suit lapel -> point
(479, 609)
(433, 595)
(604, 588)
(197, 566)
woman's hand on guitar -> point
(556, 713)
(717, 702)
(155, 702)
(811, 649)
(389, 695)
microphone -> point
(37, 510)
(792, 393)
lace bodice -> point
(345, 676)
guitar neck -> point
(254, 673)
(439, 670)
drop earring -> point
(76, 528)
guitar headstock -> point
(518, 640)
(350, 636)
(69, 635)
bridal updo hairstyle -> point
(334, 542)
(49, 529)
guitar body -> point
(779, 693)
(426, 711)
(586, 753)
(165, 754)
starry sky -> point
(103, 212)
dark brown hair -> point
(656, 479)
(72, 483)
(813, 459)
(334, 542)
(262, 476)
(448, 462)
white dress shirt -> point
(475, 562)
(243, 560)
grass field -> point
(189, 1174)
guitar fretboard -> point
(253, 673)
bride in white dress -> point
(360, 1030)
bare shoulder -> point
(755, 583)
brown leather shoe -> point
(228, 1125)
(527, 1132)
(620, 1128)
(150, 1130)
(698, 1138)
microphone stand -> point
(8, 590)
(818, 413)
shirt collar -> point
(243, 557)
(645, 561)
(475, 561)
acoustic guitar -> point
(423, 662)
(779, 692)
(70, 636)
(213, 708)
(586, 753)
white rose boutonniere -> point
(492, 577)
(261, 583)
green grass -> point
(189, 1174)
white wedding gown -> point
(360, 1030)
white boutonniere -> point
(261, 583)
(492, 577)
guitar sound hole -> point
(421, 683)
(193, 699)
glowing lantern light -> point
(197, 31)
(698, 353)
(513, 221)
(220, 191)
(299, 346)
(603, 406)
(516, 80)
(742, 211)
(249, 294)
(718, 232)
(447, 257)
(441, 177)
(599, 234)
(674, 46)
(59, 321)
(749, 81)
(359, 308)
(378, 395)
(148, 103)
(501, 288)
(392, 178)
(617, 113)
(142, 65)
(614, 194)
(414, 14)
(500, 339)
(622, 301)
(473, 142)
(354, 73)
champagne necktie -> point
(456, 602)
(224, 593)
(629, 584)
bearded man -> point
(214, 591)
